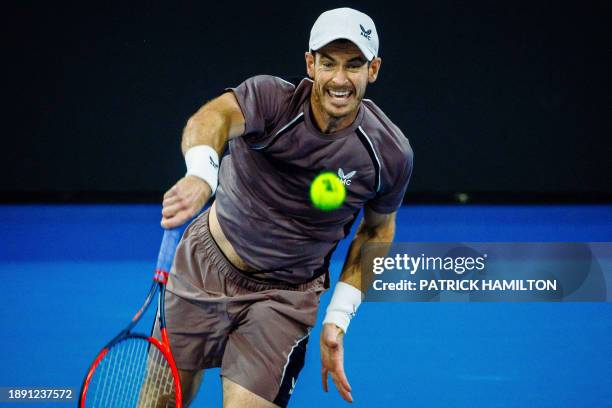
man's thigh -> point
(190, 384)
(267, 350)
(236, 396)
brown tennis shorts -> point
(218, 316)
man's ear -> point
(373, 69)
(310, 60)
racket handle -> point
(168, 248)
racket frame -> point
(164, 262)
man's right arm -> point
(212, 125)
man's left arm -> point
(374, 228)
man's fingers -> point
(324, 373)
(333, 361)
(339, 376)
(179, 204)
(345, 392)
(170, 200)
(169, 223)
(183, 201)
(176, 220)
(177, 201)
(336, 370)
(342, 379)
(171, 210)
(170, 192)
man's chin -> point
(337, 112)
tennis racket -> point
(135, 370)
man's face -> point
(341, 74)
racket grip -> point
(168, 248)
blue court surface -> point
(74, 275)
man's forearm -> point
(383, 233)
(348, 293)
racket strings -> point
(133, 374)
(158, 388)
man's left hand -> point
(332, 360)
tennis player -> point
(249, 272)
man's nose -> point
(340, 77)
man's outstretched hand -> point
(183, 201)
(332, 360)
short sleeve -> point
(390, 198)
(262, 100)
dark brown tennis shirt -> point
(263, 202)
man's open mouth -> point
(339, 94)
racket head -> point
(133, 371)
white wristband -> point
(343, 305)
(203, 162)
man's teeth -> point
(339, 94)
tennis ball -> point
(327, 192)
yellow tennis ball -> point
(327, 192)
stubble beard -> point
(333, 120)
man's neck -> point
(326, 123)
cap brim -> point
(368, 54)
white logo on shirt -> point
(292, 385)
(346, 178)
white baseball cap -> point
(345, 23)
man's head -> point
(342, 60)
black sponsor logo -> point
(366, 33)
(215, 165)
